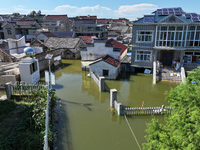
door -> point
(167, 57)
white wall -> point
(98, 51)
(13, 44)
(26, 76)
(98, 68)
(38, 49)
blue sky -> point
(130, 9)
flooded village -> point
(91, 83)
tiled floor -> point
(168, 73)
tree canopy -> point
(181, 129)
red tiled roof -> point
(117, 45)
(25, 22)
(111, 60)
(48, 34)
(55, 17)
(87, 39)
(87, 17)
(103, 20)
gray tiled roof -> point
(84, 21)
(55, 42)
(63, 34)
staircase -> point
(169, 74)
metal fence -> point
(146, 110)
(21, 88)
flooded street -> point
(85, 119)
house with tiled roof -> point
(89, 40)
(89, 27)
(57, 23)
(39, 46)
(106, 66)
(18, 29)
(165, 35)
(70, 46)
(43, 36)
(99, 48)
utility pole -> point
(48, 80)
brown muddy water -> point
(85, 121)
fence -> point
(21, 88)
(146, 110)
(124, 110)
(100, 81)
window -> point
(192, 56)
(143, 56)
(145, 36)
(105, 72)
(33, 67)
(9, 32)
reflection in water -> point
(85, 117)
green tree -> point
(32, 13)
(16, 14)
(181, 129)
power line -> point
(132, 132)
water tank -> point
(29, 51)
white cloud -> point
(126, 11)
(73, 11)
(134, 11)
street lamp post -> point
(49, 57)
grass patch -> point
(22, 122)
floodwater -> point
(85, 121)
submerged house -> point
(98, 48)
(165, 35)
(106, 66)
(70, 46)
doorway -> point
(167, 57)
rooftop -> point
(55, 17)
(164, 13)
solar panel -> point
(159, 13)
(187, 16)
(178, 13)
(194, 15)
(167, 11)
(148, 19)
(195, 19)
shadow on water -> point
(58, 86)
(64, 136)
(87, 105)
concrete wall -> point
(7, 78)
(142, 46)
(98, 68)
(100, 81)
(44, 63)
(9, 27)
(97, 51)
(26, 75)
